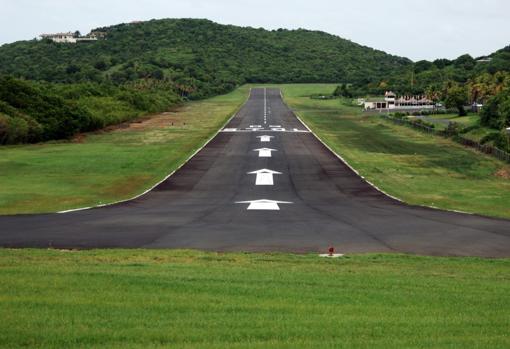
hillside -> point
(32, 111)
(418, 77)
(200, 57)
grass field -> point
(108, 166)
(418, 168)
(189, 299)
(441, 121)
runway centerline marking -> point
(264, 205)
(265, 176)
(265, 152)
(265, 106)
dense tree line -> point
(421, 76)
(39, 111)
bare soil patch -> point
(154, 121)
(504, 173)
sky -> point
(417, 29)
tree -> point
(72, 69)
(433, 92)
(422, 66)
(465, 62)
(496, 112)
(442, 63)
(343, 91)
(457, 97)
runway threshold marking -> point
(265, 152)
(265, 139)
(265, 176)
(262, 129)
(264, 205)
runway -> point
(265, 184)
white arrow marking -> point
(265, 139)
(263, 205)
(265, 152)
(264, 177)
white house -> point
(71, 38)
(67, 38)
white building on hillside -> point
(62, 38)
(71, 38)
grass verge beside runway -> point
(185, 299)
(418, 168)
(109, 166)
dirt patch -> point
(80, 138)
(504, 173)
(162, 120)
(154, 121)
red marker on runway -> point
(331, 254)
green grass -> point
(465, 121)
(419, 168)
(189, 299)
(107, 166)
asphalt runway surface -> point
(265, 184)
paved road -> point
(315, 201)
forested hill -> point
(200, 57)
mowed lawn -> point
(416, 167)
(190, 299)
(108, 166)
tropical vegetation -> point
(147, 67)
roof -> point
(57, 34)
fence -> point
(484, 148)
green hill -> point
(200, 57)
(150, 66)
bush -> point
(421, 122)
(496, 112)
(453, 128)
(400, 115)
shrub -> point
(496, 112)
